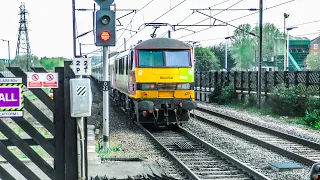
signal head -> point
(105, 28)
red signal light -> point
(105, 36)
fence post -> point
(241, 82)
(285, 78)
(216, 79)
(275, 78)
(222, 79)
(196, 84)
(200, 92)
(257, 76)
(70, 128)
(249, 82)
(228, 78)
(210, 80)
(296, 78)
(205, 86)
(307, 78)
(235, 80)
(59, 121)
(266, 84)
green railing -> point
(297, 67)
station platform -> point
(125, 170)
(119, 168)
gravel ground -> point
(133, 141)
(249, 153)
(281, 124)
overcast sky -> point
(51, 21)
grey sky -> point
(51, 22)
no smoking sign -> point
(35, 77)
(50, 77)
(42, 80)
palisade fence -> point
(246, 82)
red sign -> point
(50, 84)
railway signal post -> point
(105, 36)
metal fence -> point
(247, 81)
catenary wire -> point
(165, 33)
(238, 18)
(214, 14)
(154, 21)
(133, 17)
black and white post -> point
(105, 36)
(105, 54)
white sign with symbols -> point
(42, 80)
(81, 66)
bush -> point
(312, 119)
(313, 104)
(223, 95)
(252, 100)
(228, 94)
(214, 96)
(290, 101)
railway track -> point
(198, 159)
(298, 149)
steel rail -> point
(263, 129)
(170, 154)
(229, 158)
(208, 146)
(264, 144)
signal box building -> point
(299, 48)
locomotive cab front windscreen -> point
(165, 66)
(166, 74)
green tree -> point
(21, 61)
(50, 63)
(313, 62)
(269, 34)
(206, 60)
(244, 44)
(220, 53)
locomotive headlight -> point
(147, 86)
(183, 86)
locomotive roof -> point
(162, 43)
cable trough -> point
(298, 149)
(198, 159)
